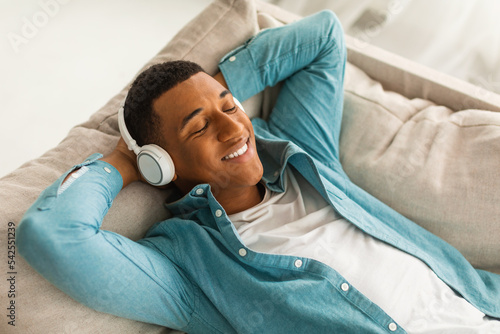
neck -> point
(239, 199)
(234, 199)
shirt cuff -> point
(107, 175)
(239, 72)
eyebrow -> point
(224, 93)
(189, 117)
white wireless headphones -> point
(154, 163)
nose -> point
(229, 127)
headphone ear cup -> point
(155, 165)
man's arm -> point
(309, 55)
(125, 163)
(60, 237)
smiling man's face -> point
(209, 138)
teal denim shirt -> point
(192, 272)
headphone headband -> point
(131, 143)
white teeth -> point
(241, 151)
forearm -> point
(60, 237)
(57, 222)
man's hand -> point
(125, 162)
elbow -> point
(334, 28)
(45, 239)
(26, 233)
(33, 238)
(331, 19)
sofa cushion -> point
(437, 167)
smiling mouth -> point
(237, 153)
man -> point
(269, 236)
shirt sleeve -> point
(309, 55)
(60, 237)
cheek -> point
(194, 159)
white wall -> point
(62, 60)
(458, 37)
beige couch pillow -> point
(437, 167)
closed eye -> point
(233, 109)
(229, 111)
(202, 129)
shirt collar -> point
(274, 155)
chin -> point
(258, 175)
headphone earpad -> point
(155, 165)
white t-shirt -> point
(300, 222)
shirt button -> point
(344, 286)
(199, 191)
(298, 263)
(393, 327)
(242, 252)
(277, 173)
(218, 213)
(232, 58)
(107, 170)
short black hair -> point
(143, 123)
